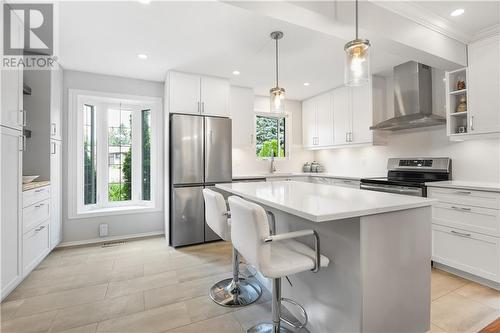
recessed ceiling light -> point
(142, 56)
(145, 2)
(307, 84)
(236, 72)
(457, 12)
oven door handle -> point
(393, 189)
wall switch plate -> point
(103, 230)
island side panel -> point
(396, 271)
(331, 297)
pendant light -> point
(357, 60)
(277, 93)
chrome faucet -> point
(273, 162)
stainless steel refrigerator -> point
(200, 157)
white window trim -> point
(288, 133)
(75, 158)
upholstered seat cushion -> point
(289, 257)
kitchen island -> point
(379, 246)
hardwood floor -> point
(145, 286)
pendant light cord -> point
(277, 64)
(356, 19)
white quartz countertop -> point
(299, 174)
(319, 202)
(468, 185)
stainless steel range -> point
(409, 175)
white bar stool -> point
(231, 292)
(275, 256)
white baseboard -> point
(111, 238)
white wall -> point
(246, 163)
(81, 229)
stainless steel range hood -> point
(412, 99)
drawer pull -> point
(461, 234)
(40, 205)
(463, 192)
(40, 228)
(38, 191)
(461, 208)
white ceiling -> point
(211, 38)
(478, 15)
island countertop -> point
(319, 202)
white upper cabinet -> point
(12, 87)
(317, 121)
(184, 93)
(361, 114)
(214, 96)
(309, 129)
(341, 116)
(195, 94)
(241, 107)
(324, 119)
(484, 86)
(56, 92)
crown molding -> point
(494, 30)
(413, 11)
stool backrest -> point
(249, 227)
(215, 213)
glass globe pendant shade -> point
(357, 62)
(277, 99)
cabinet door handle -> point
(40, 228)
(471, 123)
(53, 148)
(461, 234)
(24, 117)
(461, 208)
(202, 107)
(199, 107)
(53, 128)
(40, 205)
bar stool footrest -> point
(299, 324)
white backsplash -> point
(474, 160)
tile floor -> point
(144, 286)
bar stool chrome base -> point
(230, 294)
(267, 328)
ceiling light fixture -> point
(277, 93)
(357, 61)
(307, 84)
(457, 12)
(142, 56)
(236, 72)
(145, 2)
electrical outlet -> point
(103, 230)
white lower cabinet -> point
(36, 245)
(55, 193)
(467, 251)
(466, 231)
(36, 227)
